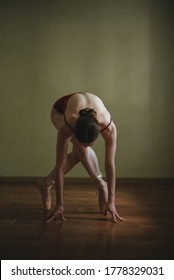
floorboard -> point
(147, 232)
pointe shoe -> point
(45, 191)
(102, 198)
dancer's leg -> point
(89, 160)
(46, 183)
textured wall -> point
(120, 50)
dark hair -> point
(87, 128)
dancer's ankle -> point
(48, 181)
(99, 181)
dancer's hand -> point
(57, 213)
(112, 210)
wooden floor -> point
(147, 233)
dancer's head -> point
(87, 128)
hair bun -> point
(87, 112)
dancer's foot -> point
(102, 196)
(45, 191)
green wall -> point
(121, 50)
